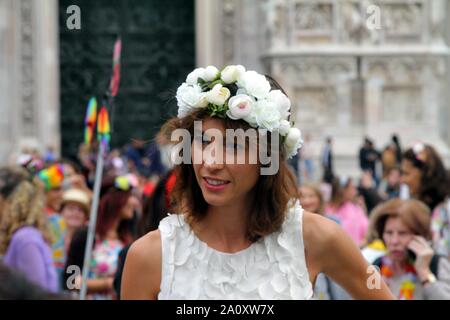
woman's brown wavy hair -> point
(273, 191)
(434, 184)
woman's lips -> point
(215, 184)
(397, 253)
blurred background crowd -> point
(368, 83)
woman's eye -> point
(203, 140)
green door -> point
(158, 50)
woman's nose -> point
(213, 159)
(395, 239)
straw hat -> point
(77, 196)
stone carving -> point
(315, 106)
(437, 20)
(403, 19)
(276, 22)
(28, 116)
(311, 70)
(228, 29)
(404, 70)
(352, 24)
(313, 17)
(401, 104)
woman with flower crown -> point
(240, 231)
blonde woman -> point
(24, 238)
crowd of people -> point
(45, 206)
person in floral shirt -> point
(113, 233)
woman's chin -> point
(215, 200)
(398, 256)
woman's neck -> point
(113, 234)
(225, 228)
(398, 266)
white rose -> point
(255, 84)
(192, 77)
(211, 73)
(293, 137)
(293, 142)
(218, 95)
(265, 114)
(282, 102)
(232, 74)
(284, 127)
(240, 106)
(189, 97)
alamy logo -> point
(73, 281)
(73, 22)
(374, 278)
(373, 21)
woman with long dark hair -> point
(113, 233)
(424, 173)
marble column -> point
(29, 79)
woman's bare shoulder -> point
(147, 249)
(142, 273)
(318, 229)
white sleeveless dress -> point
(272, 268)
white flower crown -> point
(239, 94)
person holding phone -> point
(410, 266)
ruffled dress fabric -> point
(272, 268)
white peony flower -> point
(266, 115)
(211, 73)
(232, 74)
(293, 142)
(240, 106)
(189, 97)
(192, 77)
(218, 95)
(294, 135)
(282, 102)
(284, 127)
(254, 84)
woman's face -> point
(222, 183)
(309, 200)
(74, 215)
(411, 176)
(128, 209)
(54, 198)
(350, 191)
(394, 177)
(396, 236)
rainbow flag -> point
(103, 129)
(89, 121)
(115, 79)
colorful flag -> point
(89, 121)
(115, 80)
(103, 129)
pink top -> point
(353, 220)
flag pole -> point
(92, 221)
